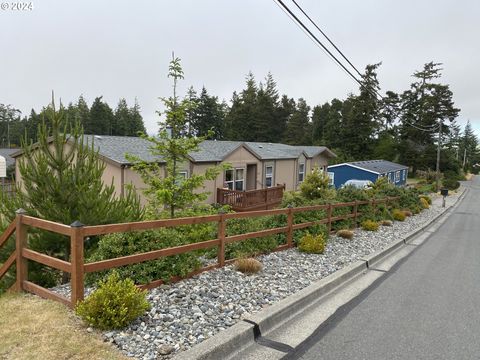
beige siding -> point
(284, 174)
(240, 158)
(209, 186)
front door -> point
(251, 177)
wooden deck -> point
(262, 199)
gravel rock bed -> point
(188, 312)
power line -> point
(317, 42)
(315, 39)
(326, 37)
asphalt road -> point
(426, 307)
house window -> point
(239, 179)
(404, 173)
(268, 176)
(301, 172)
(397, 176)
(181, 176)
(235, 179)
(390, 177)
(229, 179)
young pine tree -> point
(168, 188)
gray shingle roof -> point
(6, 153)
(115, 148)
(379, 166)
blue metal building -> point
(368, 170)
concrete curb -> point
(233, 340)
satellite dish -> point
(3, 167)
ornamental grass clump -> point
(248, 265)
(427, 198)
(407, 213)
(114, 305)
(424, 203)
(370, 225)
(386, 223)
(312, 244)
(398, 215)
(345, 233)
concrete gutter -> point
(232, 341)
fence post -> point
(290, 226)
(374, 207)
(329, 212)
(77, 261)
(20, 243)
(221, 237)
(355, 211)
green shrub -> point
(122, 244)
(450, 183)
(313, 244)
(316, 186)
(370, 225)
(252, 246)
(114, 304)
(346, 234)
(398, 215)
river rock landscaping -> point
(188, 312)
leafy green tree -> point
(64, 183)
(171, 189)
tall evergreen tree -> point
(121, 119)
(299, 130)
(136, 125)
(424, 107)
(101, 116)
(208, 117)
(241, 117)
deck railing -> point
(261, 199)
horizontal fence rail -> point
(77, 233)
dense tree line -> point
(99, 119)
(402, 127)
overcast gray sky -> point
(122, 49)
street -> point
(425, 307)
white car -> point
(359, 184)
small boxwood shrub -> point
(248, 265)
(114, 304)
(313, 244)
(370, 225)
(398, 215)
(345, 233)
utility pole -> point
(438, 155)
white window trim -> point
(301, 172)
(267, 176)
(238, 180)
(234, 178)
(404, 172)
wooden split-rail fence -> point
(77, 268)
